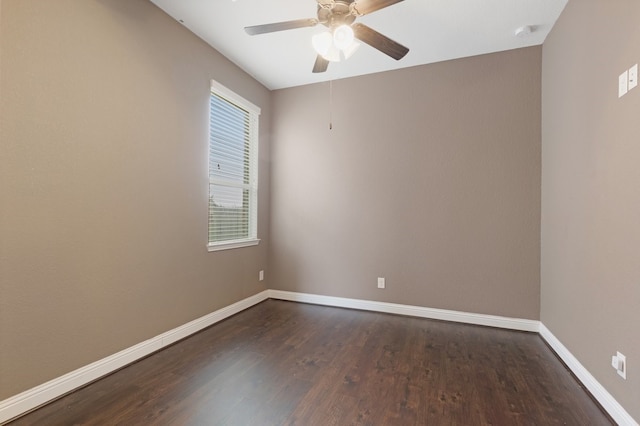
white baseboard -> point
(608, 402)
(409, 310)
(39, 395)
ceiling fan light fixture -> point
(339, 17)
(333, 54)
(350, 50)
(343, 37)
(322, 42)
(336, 45)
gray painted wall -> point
(591, 190)
(429, 178)
(103, 184)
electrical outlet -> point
(261, 276)
(619, 362)
(381, 282)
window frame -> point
(252, 239)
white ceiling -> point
(434, 30)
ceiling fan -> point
(339, 17)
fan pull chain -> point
(330, 104)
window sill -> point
(228, 245)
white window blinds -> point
(233, 167)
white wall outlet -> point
(381, 282)
(619, 362)
(633, 76)
(261, 276)
(623, 82)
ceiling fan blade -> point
(364, 7)
(379, 41)
(280, 26)
(321, 64)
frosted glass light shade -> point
(343, 37)
(324, 46)
(322, 42)
(350, 50)
(334, 47)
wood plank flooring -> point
(284, 363)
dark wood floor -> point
(283, 363)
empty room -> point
(319, 212)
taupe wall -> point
(430, 178)
(591, 190)
(103, 168)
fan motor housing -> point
(337, 13)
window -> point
(233, 170)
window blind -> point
(233, 180)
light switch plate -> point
(622, 365)
(619, 362)
(623, 81)
(633, 76)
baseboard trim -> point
(39, 395)
(26, 401)
(608, 402)
(409, 310)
